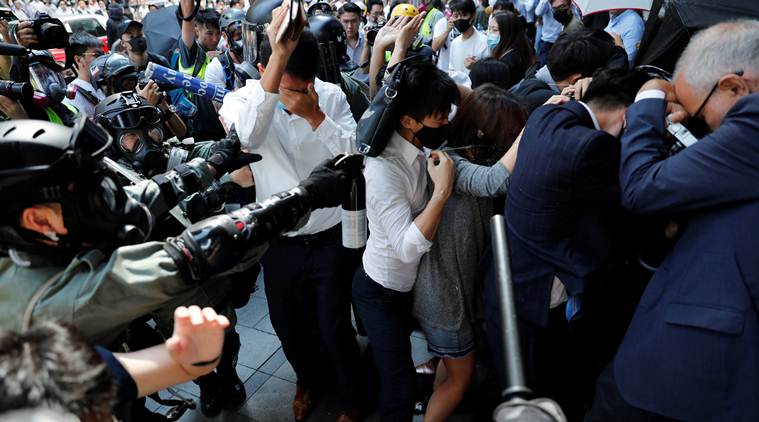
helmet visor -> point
(136, 118)
(42, 77)
(250, 38)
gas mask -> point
(139, 139)
(48, 82)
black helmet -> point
(42, 162)
(254, 27)
(333, 51)
(135, 126)
(114, 72)
(230, 23)
(320, 8)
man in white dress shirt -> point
(295, 122)
(82, 50)
(403, 218)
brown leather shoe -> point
(348, 416)
(303, 403)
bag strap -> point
(26, 322)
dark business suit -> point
(692, 349)
(562, 212)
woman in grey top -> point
(489, 119)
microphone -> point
(12, 50)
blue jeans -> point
(387, 319)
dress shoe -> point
(348, 416)
(303, 403)
(210, 395)
(232, 392)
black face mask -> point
(139, 44)
(563, 15)
(462, 24)
(433, 137)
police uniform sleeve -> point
(134, 281)
(165, 191)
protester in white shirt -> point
(296, 122)
(403, 219)
(471, 46)
(83, 49)
(443, 35)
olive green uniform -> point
(99, 294)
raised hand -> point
(197, 339)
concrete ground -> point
(269, 379)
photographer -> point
(692, 349)
(83, 49)
(221, 70)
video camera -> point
(371, 31)
(50, 33)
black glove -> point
(329, 182)
(228, 157)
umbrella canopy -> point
(162, 30)
(588, 7)
(673, 22)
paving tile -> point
(275, 361)
(153, 405)
(272, 402)
(286, 372)
(225, 416)
(252, 313)
(418, 334)
(265, 325)
(260, 293)
(257, 347)
(190, 387)
(255, 382)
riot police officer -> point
(73, 236)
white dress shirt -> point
(396, 192)
(290, 149)
(82, 104)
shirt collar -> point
(592, 115)
(405, 149)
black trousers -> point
(307, 287)
(386, 315)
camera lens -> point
(54, 35)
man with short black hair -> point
(575, 55)
(470, 46)
(350, 16)
(296, 121)
(132, 38)
(564, 214)
(82, 50)
(198, 47)
(237, 4)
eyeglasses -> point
(697, 114)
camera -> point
(682, 137)
(371, 31)
(16, 90)
(50, 33)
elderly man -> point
(692, 349)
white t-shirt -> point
(215, 73)
(476, 45)
(444, 54)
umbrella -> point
(588, 7)
(672, 23)
(162, 30)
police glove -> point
(228, 157)
(330, 181)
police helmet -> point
(114, 72)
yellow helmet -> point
(404, 9)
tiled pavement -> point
(269, 378)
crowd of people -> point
(355, 158)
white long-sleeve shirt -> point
(396, 191)
(290, 150)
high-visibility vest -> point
(426, 30)
(194, 70)
(53, 117)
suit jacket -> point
(561, 207)
(692, 349)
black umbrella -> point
(162, 30)
(673, 22)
